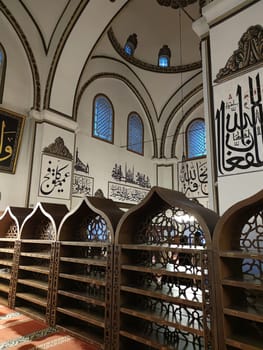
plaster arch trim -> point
(182, 121)
(133, 89)
(114, 66)
(29, 53)
(193, 93)
(95, 18)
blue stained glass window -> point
(128, 49)
(196, 139)
(103, 119)
(135, 134)
(164, 61)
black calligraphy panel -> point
(239, 128)
(11, 128)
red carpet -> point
(20, 332)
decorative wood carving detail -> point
(58, 148)
(249, 53)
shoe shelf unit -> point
(34, 292)
(84, 270)
(10, 223)
(163, 295)
(238, 247)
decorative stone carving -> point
(58, 148)
(249, 53)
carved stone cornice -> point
(58, 148)
(248, 54)
(147, 66)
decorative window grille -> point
(103, 119)
(196, 139)
(135, 134)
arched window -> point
(2, 71)
(196, 139)
(102, 119)
(135, 133)
(164, 56)
(131, 44)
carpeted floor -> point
(18, 331)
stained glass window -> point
(103, 119)
(196, 139)
(135, 133)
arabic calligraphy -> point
(82, 185)
(239, 129)
(124, 193)
(193, 178)
(56, 175)
(128, 175)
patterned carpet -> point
(18, 331)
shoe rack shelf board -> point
(163, 297)
(84, 271)
(34, 265)
(10, 223)
(238, 256)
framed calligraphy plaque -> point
(11, 129)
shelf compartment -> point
(87, 278)
(35, 268)
(83, 296)
(181, 320)
(31, 310)
(86, 261)
(246, 269)
(158, 336)
(83, 330)
(38, 284)
(37, 299)
(4, 288)
(243, 334)
(86, 312)
(7, 250)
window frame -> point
(128, 133)
(93, 118)
(187, 138)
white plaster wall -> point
(224, 39)
(102, 156)
(17, 97)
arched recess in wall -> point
(135, 92)
(31, 58)
(3, 59)
(190, 100)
